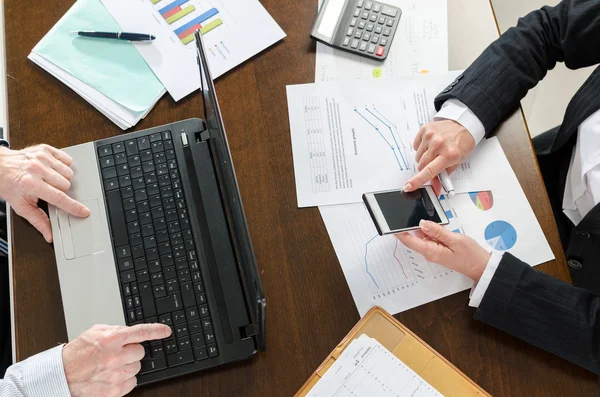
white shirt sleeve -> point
(453, 109)
(39, 376)
(478, 290)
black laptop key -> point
(189, 246)
(164, 248)
(198, 339)
(159, 291)
(147, 299)
(134, 288)
(192, 255)
(111, 184)
(172, 216)
(212, 350)
(168, 204)
(140, 264)
(178, 251)
(177, 239)
(132, 227)
(129, 303)
(180, 204)
(172, 286)
(152, 254)
(118, 147)
(162, 236)
(137, 174)
(138, 183)
(155, 137)
(170, 346)
(169, 304)
(148, 166)
(123, 251)
(172, 164)
(140, 195)
(180, 358)
(143, 206)
(136, 301)
(209, 336)
(184, 343)
(143, 143)
(157, 147)
(128, 276)
(179, 195)
(127, 289)
(131, 148)
(169, 273)
(135, 239)
(126, 192)
(176, 184)
(108, 161)
(124, 181)
(150, 178)
(201, 353)
(120, 158)
(137, 251)
(159, 158)
(157, 279)
(162, 169)
(149, 242)
(157, 349)
(201, 299)
(199, 288)
(168, 144)
(181, 330)
(179, 317)
(166, 135)
(152, 189)
(170, 154)
(109, 173)
(157, 212)
(164, 180)
(185, 224)
(131, 215)
(123, 169)
(147, 230)
(153, 364)
(151, 320)
(188, 295)
(154, 266)
(145, 219)
(105, 151)
(160, 224)
(194, 327)
(184, 276)
(174, 227)
(194, 267)
(166, 192)
(174, 174)
(130, 316)
(146, 155)
(204, 311)
(181, 264)
(155, 201)
(206, 324)
(165, 319)
(134, 161)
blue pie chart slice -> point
(500, 235)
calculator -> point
(362, 27)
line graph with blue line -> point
(388, 132)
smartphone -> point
(396, 211)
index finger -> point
(60, 200)
(418, 138)
(428, 173)
(143, 332)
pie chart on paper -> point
(482, 200)
(500, 235)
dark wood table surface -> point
(309, 306)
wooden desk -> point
(309, 304)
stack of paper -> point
(368, 369)
(110, 74)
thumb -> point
(437, 232)
(38, 218)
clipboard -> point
(410, 349)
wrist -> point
(479, 266)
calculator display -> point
(363, 27)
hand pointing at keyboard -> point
(38, 172)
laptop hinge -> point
(248, 331)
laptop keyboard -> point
(156, 255)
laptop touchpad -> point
(80, 235)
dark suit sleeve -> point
(495, 83)
(543, 311)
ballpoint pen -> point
(127, 36)
(446, 182)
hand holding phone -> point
(397, 211)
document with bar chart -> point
(233, 31)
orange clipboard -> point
(410, 349)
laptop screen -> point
(231, 198)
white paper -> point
(382, 271)
(357, 137)
(367, 369)
(420, 45)
(246, 29)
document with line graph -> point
(368, 369)
(356, 137)
(233, 31)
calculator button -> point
(363, 46)
(387, 31)
(354, 43)
(375, 39)
(369, 5)
(381, 20)
(389, 11)
(360, 3)
(373, 18)
(366, 36)
(370, 27)
(349, 32)
(389, 22)
(356, 13)
(346, 41)
(380, 51)
(353, 22)
(361, 25)
(377, 7)
(378, 29)
(383, 42)
(371, 48)
(365, 15)
(358, 34)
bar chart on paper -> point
(187, 16)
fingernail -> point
(424, 225)
(407, 187)
(85, 211)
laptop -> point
(167, 241)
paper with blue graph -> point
(382, 271)
(233, 31)
(352, 138)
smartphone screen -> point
(404, 210)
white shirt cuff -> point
(453, 109)
(44, 374)
(478, 290)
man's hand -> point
(38, 172)
(453, 250)
(440, 145)
(104, 360)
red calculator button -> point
(379, 51)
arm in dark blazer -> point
(495, 83)
(543, 311)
